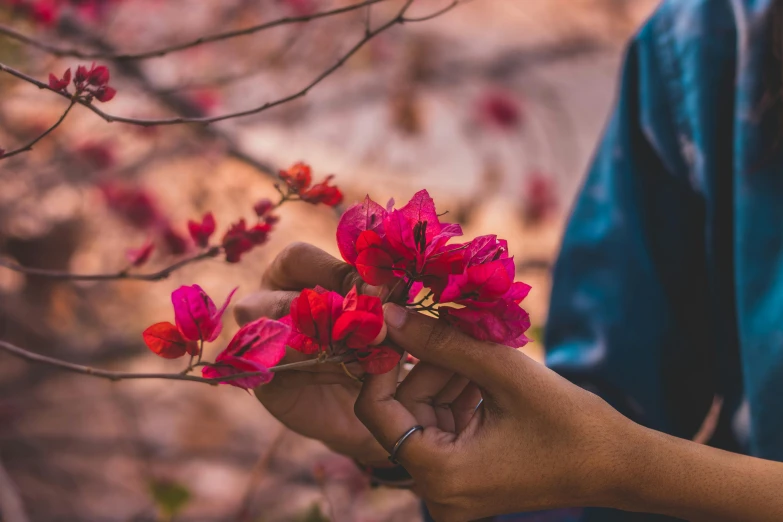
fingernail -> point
(378, 291)
(395, 315)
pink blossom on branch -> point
(197, 317)
(256, 347)
(201, 232)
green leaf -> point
(169, 496)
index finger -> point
(495, 368)
(301, 265)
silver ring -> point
(398, 444)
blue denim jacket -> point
(669, 287)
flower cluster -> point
(298, 185)
(255, 348)
(410, 246)
(140, 209)
(328, 324)
(88, 83)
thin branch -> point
(398, 19)
(436, 14)
(45, 133)
(76, 53)
(11, 506)
(117, 276)
(120, 376)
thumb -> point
(493, 367)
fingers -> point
(493, 367)
(272, 304)
(387, 419)
(301, 265)
(418, 394)
(464, 407)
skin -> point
(535, 442)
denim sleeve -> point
(628, 313)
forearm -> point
(683, 479)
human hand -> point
(317, 401)
(535, 442)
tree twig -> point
(155, 53)
(117, 276)
(120, 376)
(29, 146)
(397, 19)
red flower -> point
(502, 322)
(175, 242)
(298, 179)
(239, 240)
(314, 313)
(540, 197)
(323, 193)
(378, 359)
(263, 207)
(99, 155)
(137, 206)
(139, 256)
(105, 93)
(201, 232)
(360, 322)
(197, 317)
(384, 244)
(59, 84)
(500, 110)
(94, 81)
(256, 347)
(165, 340)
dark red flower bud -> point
(105, 93)
(263, 207)
(98, 76)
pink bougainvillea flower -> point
(165, 340)
(59, 84)
(228, 366)
(502, 322)
(201, 232)
(484, 282)
(139, 256)
(299, 341)
(373, 262)
(361, 217)
(378, 359)
(360, 322)
(256, 347)
(196, 315)
(314, 312)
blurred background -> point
(494, 107)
